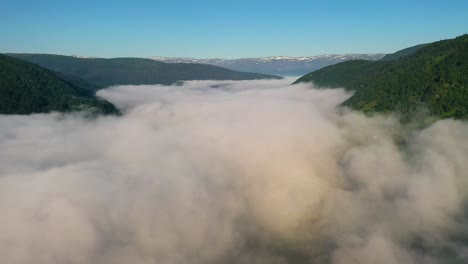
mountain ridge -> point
(279, 65)
(134, 71)
(402, 53)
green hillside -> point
(435, 77)
(121, 71)
(27, 88)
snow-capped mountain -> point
(277, 65)
(83, 57)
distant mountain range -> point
(277, 65)
(133, 71)
(431, 76)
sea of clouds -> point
(231, 172)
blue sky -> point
(225, 29)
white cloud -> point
(233, 171)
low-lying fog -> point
(231, 172)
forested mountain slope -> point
(27, 88)
(434, 77)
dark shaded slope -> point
(122, 71)
(78, 82)
(434, 77)
(27, 88)
(349, 72)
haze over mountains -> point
(276, 65)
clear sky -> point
(225, 28)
